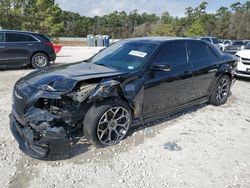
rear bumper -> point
(53, 145)
(52, 57)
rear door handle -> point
(2, 47)
(30, 44)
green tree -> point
(196, 29)
(166, 18)
(163, 30)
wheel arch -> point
(218, 76)
(109, 89)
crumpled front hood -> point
(65, 77)
(244, 53)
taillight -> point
(49, 44)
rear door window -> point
(173, 53)
(200, 52)
(16, 37)
(1, 37)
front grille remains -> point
(245, 59)
(20, 102)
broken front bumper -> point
(53, 145)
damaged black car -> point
(129, 83)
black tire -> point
(221, 91)
(95, 115)
(39, 60)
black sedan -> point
(235, 47)
(128, 83)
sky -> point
(174, 7)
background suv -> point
(18, 48)
(243, 68)
(212, 40)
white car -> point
(243, 68)
(224, 44)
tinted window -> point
(215, 41)
(1, 37)
(173, 53)
(13, 37)
(44, 38)
(199, 51)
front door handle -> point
(2, 47)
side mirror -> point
(161, 67)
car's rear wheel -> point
(107, 123)
(221, 91)
(39, 60)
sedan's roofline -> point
(156, 39)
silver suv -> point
(212, 40)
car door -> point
(3, 56)
(168, 79)
(18, 48)
(205, 65)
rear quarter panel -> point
(226, 66)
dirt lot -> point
(214, 148)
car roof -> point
(18, 31)
(156, 39)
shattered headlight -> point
(83, 92)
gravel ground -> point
(212, 148)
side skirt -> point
(170, 112)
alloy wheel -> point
(113, 125)
(41, 61)
(222, 90)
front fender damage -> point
(131, 91)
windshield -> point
(238, 43)
(247, 46)
(125, 55)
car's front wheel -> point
(39, 60)
(107, 123)
(221, 91)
